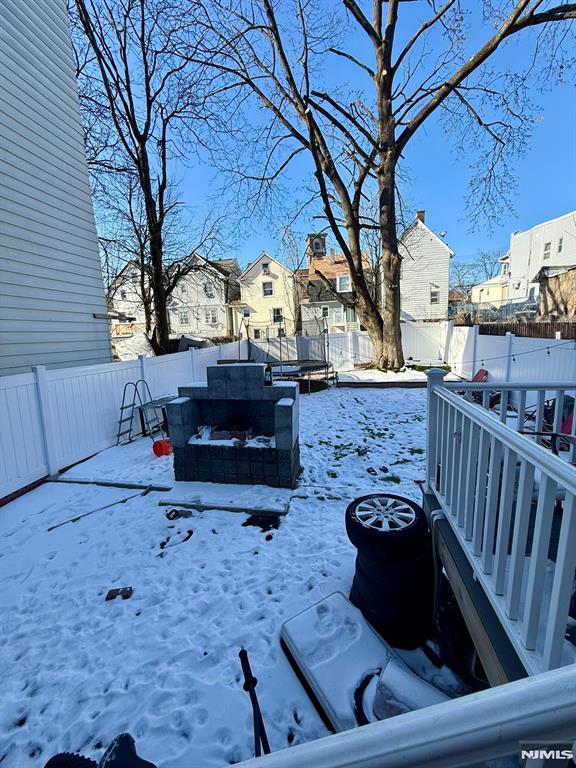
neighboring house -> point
(493, 292)
(267, 304)
(425, 273)
(199, 305)
(557, 295)
(52, 299)
(550, 244)
(319, 308)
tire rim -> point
(385, 514)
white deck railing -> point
(501, 492)
(457, 733)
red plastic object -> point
(162, 447)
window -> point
(265, 268)
(122, 294)
(134, 277)
(246, 313)
(343, 283)
(547, 248)
(267, 289)
(183, 290)
(505, 268)
(317, 244)
(256, 334)
(183, 318)
(277, 315)
(560, 244)
(209, 289)
(281, 333)
(434, 295)
(325, 311)
(350, 315)
(210, 317)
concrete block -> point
(182, 415)
(284, 424)
(237, 389)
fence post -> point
(475, 334)
(509, 350)
(448, 340)
(193, 363)
(435, 379)
(46, 419)
(350, 350)
(141, 358)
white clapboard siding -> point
(50, 279)
(425, 267)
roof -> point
(498, 280)
(263, 257)
(418, 223)
(552, 271)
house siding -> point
(260, 306)
(425, 266)
(527, 253)
(50, 282)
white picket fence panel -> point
(50, 419)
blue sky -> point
(546, 175)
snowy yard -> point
(164, 664)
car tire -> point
(403, 527)
(399, 607)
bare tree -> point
(142, 109)
(355, 139)
(488, 264)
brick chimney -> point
(421, 216)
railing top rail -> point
(460, 732)
(509, 385)
(561, 472)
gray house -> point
(52, 301)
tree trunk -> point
(161, 329)
(392, 354)
(158, 287)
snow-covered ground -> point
(77, 670)
(389, 377)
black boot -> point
(122, 754)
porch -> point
(500, 469)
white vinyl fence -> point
(50, 419)
(510, 357)
(421, 342)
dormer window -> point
(265, 268)
(317, 245)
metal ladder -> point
(136, 390)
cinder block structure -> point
(235, 429)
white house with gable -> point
(425, 272)
(199, 304)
